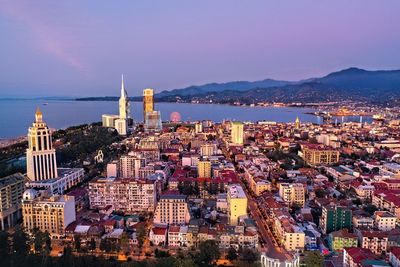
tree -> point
(141, 236)
(77, 242)
(320, 193)
(105, 245)
(232, 254)
(20, 242)
(184, 262)
(313, 259)
(208, 252)
(92, 244)
(4, 246)
(124, 242)
(248, 255)
(370, 209)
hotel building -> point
(52, 214)
(40, 155)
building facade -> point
(237, 133)
(294, 194)
(148, 102)
(52, 214)
(123, 194)
(172, 208)
(335, 218)
(41, 161)
(11, 190)
(237, 203)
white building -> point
(67, 178)
(130, 165)
(127, 195)
(40, 155)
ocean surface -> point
(18, 115)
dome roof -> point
(29, 194)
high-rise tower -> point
(40, 155)
(124, 106)
(121, 124)
(148, 102)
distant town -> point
(204, 193)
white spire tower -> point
(124, 107)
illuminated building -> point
(172, 208)
(148, 102)
(40, 155)
(237, 133)
(204, 169)
(11, 190)
(52, 214)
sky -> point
(81, 48)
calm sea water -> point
(18, 115)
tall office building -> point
(40, 154)
(237, 132)
(148, 102)
(237, 203)
(204, 169)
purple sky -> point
(80, 48)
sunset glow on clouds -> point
(81, 47)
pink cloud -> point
(47, 37)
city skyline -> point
(76, 49)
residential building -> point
(204, 169)
(237, 203)
(290, 236)
(315, 154)
(172, 208)
(384, 221)
(11, 190)
(129, 165)
(335, 218)
(375, 241)
(294, 194)
(341, 239)
(123, 194)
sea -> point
(17, 115)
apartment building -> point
(11, 190)
(123, 194)
(237, 203)
(294, 194)
(172, 208)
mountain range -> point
(354, 84)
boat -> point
(45, 104)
